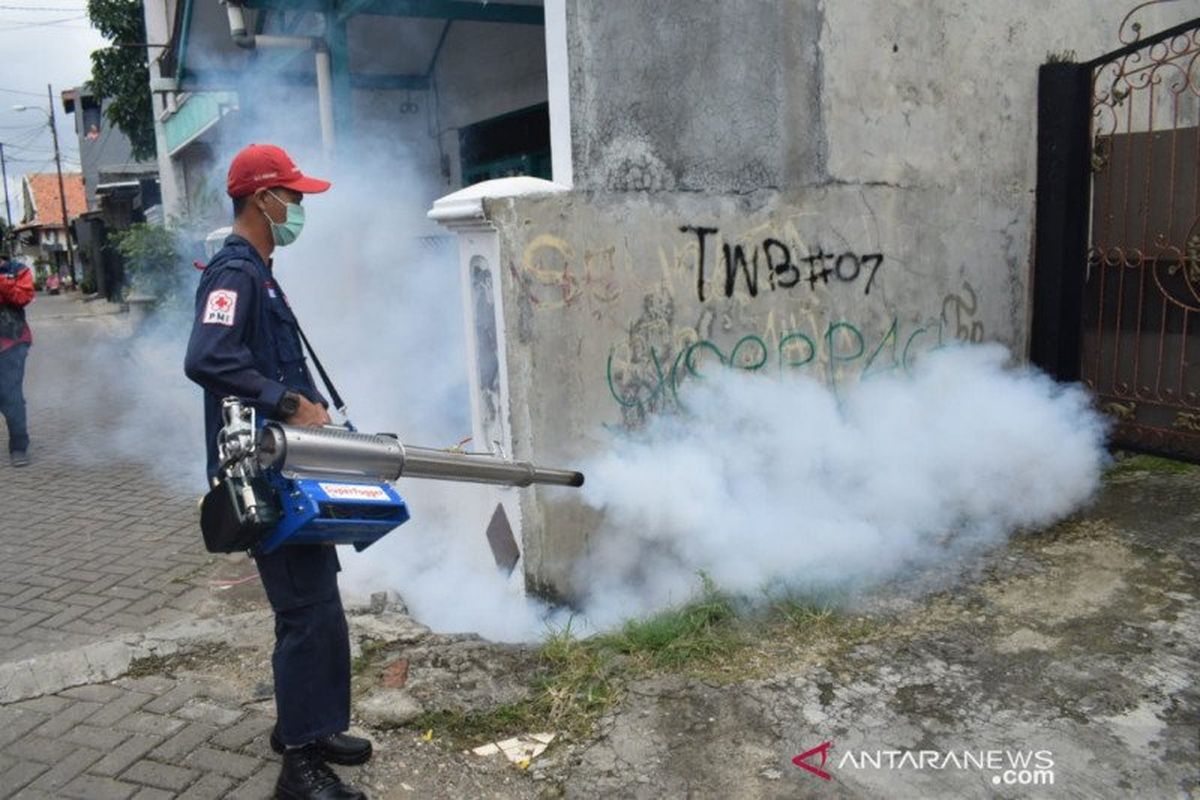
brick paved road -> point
(149, 737)
(88, 546)
(91, 546)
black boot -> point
(337, 748)
(305, 776)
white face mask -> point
(286, 232)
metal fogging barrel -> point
(340, 453)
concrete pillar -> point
(158, 29)
(558, 91)
(465, 212)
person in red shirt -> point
(16, 291)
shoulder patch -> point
(220, 307)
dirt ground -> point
(1075, 649)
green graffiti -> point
(891, 336)
(786, 341)
(749, 366)
(835, 357)
(703, 344)
(843, 346)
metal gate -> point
(1140, 347)
(1116, 280)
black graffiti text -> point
(772, 265)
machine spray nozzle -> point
(282, 484)
(336, 452)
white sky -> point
(43, 41)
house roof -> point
(43, 208)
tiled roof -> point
(46, 210)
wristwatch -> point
(288, 404)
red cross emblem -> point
(220, 308)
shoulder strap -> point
(333, 392)
(334, 395)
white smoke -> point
(376, 287)
(133, 383)
(776, 482)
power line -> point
(52, 23)
(30, 142)
(28, 139)
(21, 91)
(46, 163)
(21, 147)
(35, 156)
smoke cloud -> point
(377, 288)
(780, 484)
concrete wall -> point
(874, 162)
(742, 96)
(611, 309)
(720, 97)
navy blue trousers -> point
(312, 642)
(12, 395)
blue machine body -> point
(324, 511)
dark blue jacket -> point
(245, 341)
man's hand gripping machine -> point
(281, 484)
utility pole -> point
(62, 192)
(4, 174)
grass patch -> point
(460, 730)
(581, 680)
(1148, 463)
(169, 665)
(149, 665)
(807, 622)
(366, 655)
(698, 631)
(803, 616)
(578, 684)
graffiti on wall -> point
(553, 274)
(645, 371)
(778, 263)
(959, 312)
(723, 281)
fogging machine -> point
(281, 484)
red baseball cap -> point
(265, 166)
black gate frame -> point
(1063, 199)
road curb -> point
(108, 660)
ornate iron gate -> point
(1140, 314)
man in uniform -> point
(245, 343)
(16, 292)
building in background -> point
(121, 191)
(41, 234)
(454, 92)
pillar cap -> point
(464, 208)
